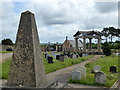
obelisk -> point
(27, 68)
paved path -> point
(5, 56)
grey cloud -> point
(106, 7)
(51, 14)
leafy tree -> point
(117, 32)
(112, 32)
(106, 49)
(6, 42)
(105, 32)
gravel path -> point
(5, 56)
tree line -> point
(110, 32)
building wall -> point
(67, 47)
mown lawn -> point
(105, 63)
(48, 67)
(2, 52)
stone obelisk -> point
(27, 68)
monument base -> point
(54, 84)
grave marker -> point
(27, 68)
(76, 75)
(82, 70)
(100, 78)
(113, 69)
(97, 68)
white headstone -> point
(102, 56)
(86, 54)
(82, 70)
(74, 56)
(55, 56)
(97, 68)
(100, 78)
(76, 75)
(52, 53)
(65, 56)
(83, 54)
(117, 54)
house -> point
(69, 45)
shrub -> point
(87, 65)
(106, 49)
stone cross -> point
(27, 68)
(100, 78)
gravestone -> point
(100, 78)
(74, 56)
(50, 59)
(65, 56)
(86, 54)
(27, 68)
(71, 55)
(82, 70)
(64, 53)
(80, 54)
(113, 69)
(117, 54)
(113, 55)
(61, 59)
(76, 75)
(96, 68)
(57, 57)
(46, 52)
(102, 56)
(68, 54)
(83, 55)
(52, 53)
(47, 57)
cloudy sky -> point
(57, 19)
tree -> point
(6, 42)
(105, 32)
(112, 32)
(117, 32)
(106, 49)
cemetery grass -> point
(2, 52)
(105, 63)
(4, 67)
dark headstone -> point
(9, 49)
(64, 53)
(27, 68)
(45, 55)
(113, 69)
(50, 59)
(57, 57)
(80, 54)
(71, 55)
(77, 55)
(61, 59)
